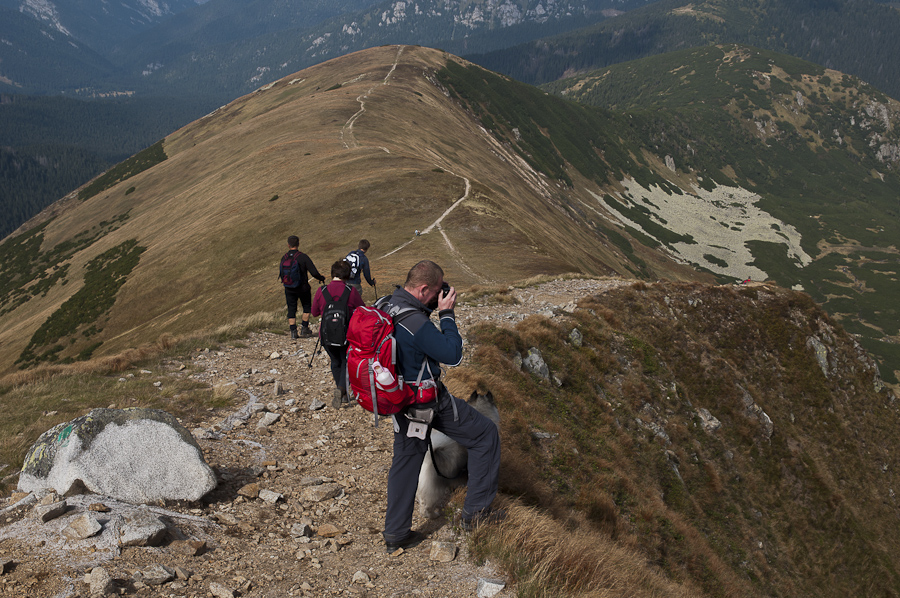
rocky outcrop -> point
(133, 455)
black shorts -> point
(293, 295)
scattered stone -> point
(182, 573)
(275, 355)
(255, 408)
(316, 405)
(141, 528)
(487, 588)
(101, 582)
(576, 338)
(314, 481)
(301, 530)
(290, 402)
(188, 548)
(220, 591)
(49, 499)
(6, 565)
(269, 496)
(81, 527)
(98, 507)
(268, 419)
(321, 492)
(360, 577)
(157, 575)
(278, 389)
(707, 421)
(251, 490)
(135, 455)
(48, 512)
(534, 363)
(225, 518)
(17, 496)
(272, 406)
(328, 530)
(442, 552)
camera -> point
(445, 288)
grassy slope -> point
(214, 214)
(732, 113)
(790, 496)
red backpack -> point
(371, 346)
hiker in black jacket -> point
(294, 272)
(418, 339)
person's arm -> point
(444, 345)
(365, 271)
(318, 304)
(311, 268)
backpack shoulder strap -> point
(326, 294)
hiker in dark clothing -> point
(294, 272)
(340, 271)
(359, 266)
(419, 339)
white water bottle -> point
(382, 376)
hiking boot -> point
(294, 335)
(485, 517)
(411, 540)
(305, 332)
(338, 398)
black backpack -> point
(335, 318)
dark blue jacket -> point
(418, 337)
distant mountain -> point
(229, 56)
(859, 37)
(99, 25)
(36, 58)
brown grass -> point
(550, 561)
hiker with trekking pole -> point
(335, 303)
(359, 267)
(293, 272)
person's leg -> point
(290, 297)
(482, 439)
(306, 302)
(403, 480)
(334, 355)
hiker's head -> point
(340, 269)
(424, 281)
(293, 241)
(364, 245)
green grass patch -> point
(136, 164)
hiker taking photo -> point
(359, 266)
(294, 272)
(336, 303)
(421, 348)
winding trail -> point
(347, 136)
(349, 141)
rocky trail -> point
(300, 503)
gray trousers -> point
(474, 431)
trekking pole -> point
(315, 352)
